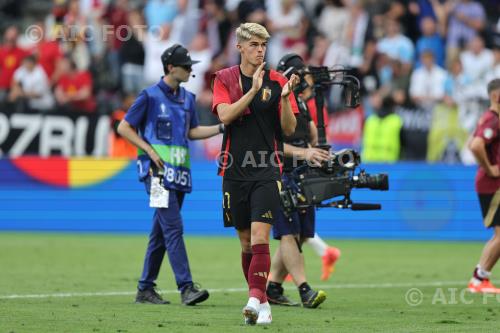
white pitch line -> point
(233, 290)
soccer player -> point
(486, 148)
(294, 229)
(256, 106)
(159, 123)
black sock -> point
(274, 288)
(304, 288)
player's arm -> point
(204, 132)
(287, 119)
(478, 148)
(314, 156)
(228, 113)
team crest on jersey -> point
(488, 133)
(266, 94)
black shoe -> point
(149, 296)
(192, 294)
(312, 299)
(275, 296)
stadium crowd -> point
(423, 64)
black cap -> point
(290, 64)
(177, 55)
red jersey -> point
(488, 130)
(252, 145)
(48, 52)
(70, 84)
(10, 60)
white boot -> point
(265, 317)
(251, 311)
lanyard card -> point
(158, 197)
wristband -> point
(221, 128)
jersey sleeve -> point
(221, 95)
(487, 129)
(137, 111)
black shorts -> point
(245, 202)
(489, 207)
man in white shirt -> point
(478, 62)
(427, 82)
(397, 46)
(31, 83)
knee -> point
(260, 236)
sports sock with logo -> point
(258, 271)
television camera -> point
(310, 185)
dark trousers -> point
(166, 235)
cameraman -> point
(294, 230)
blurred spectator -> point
(73, 36)
(430, 40)
(200, 51)
(217, 25)
(30, 84)
(132, 56)
(381, 134)
(74, 88)
(333, 20)
(477, 62)
(47, 51)
(466, 19)
(154, 45)
(397, 85)
(10, 59)
(160, 12)
(495, 73)
(427, 82)
(456, 84)
(116, 16)
(397, 46)
(183, 29)
(286, 26)
(118, 146)
(359, 37)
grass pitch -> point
(86, 283)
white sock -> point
(318, 245)
(254, 302)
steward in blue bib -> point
(163, 118)
(159, 124)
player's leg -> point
(284, 229)
(264, 205)
(329, 255)
(309, 297)
(152, 263)
(172, 227)
(480, 281)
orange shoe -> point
(485, 287)
(288, 277)
(331, 255)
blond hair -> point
(248, 30)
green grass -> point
(60, 263)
